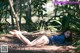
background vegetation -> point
(35, 15)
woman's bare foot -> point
(19, 35)
(15, 33)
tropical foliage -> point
(34, 13)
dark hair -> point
(69, 39)
(66, 30)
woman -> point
(64, 38)
(43, 39)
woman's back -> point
(57, 39)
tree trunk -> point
(15, 15)
(20, 2)
(28, 15)
(28, 9)
(12, 19)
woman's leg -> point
(41, 40)
(19, 35)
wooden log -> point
(48, 33)
(46, 49)
(36, 49)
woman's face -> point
(67, 33)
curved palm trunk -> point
(15, 15)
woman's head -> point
(67, 33)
